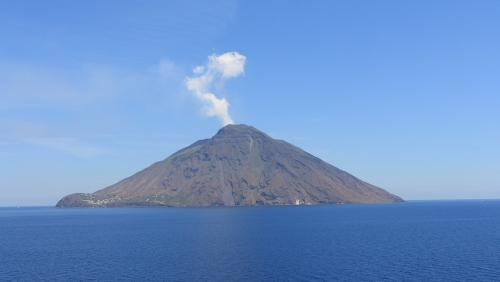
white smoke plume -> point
(218, 69)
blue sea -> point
(412, 241)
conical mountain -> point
(240, 165)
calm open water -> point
(413, 241)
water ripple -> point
(428, 241)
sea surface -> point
(412, 241)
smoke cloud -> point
(217, 70)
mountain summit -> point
(239, 166)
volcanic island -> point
(239, 166)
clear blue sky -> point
(402, 94)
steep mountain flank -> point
(240, 165)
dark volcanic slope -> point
(240, 165)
